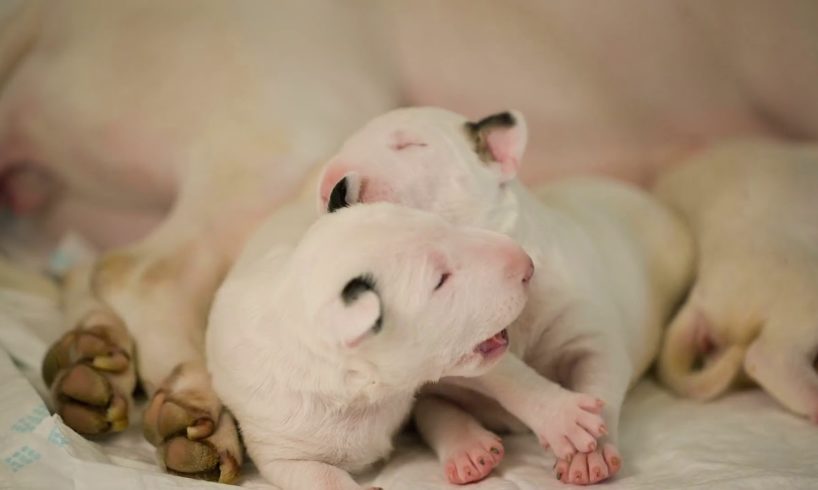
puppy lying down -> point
(318, 343)
(612, 263)
(753, 309)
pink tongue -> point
(491, 344)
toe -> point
(84, 384)
(590, 403)
(174, 419)
(597, 468)
(561, 470)
(562, 448)
(466, 471)
(83, 419)
(578, 470)
(613, 458)
(182, 455)
(581, 439)
(592, 423)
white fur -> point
(611, 263)
(298, 367)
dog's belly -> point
(126, 104)
(617, 89)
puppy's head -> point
(403, 297)
(429, 159)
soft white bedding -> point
(743, 441)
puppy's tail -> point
(19, 25)
(682, 348)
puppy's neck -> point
(504, 214)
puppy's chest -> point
(351, 438)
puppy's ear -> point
(339, 194)
(500, 139)
(356, 313)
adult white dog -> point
(612, 263)
(753, 308)
(318, 346)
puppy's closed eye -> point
(402, 140)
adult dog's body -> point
(166, 131)
(612, 264)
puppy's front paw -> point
(570, 422)
(91, 376)
(195, 436)
(477, 454)
(594, 467)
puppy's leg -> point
(468, 451)
(162, 288)
(782, 361)
(187, 423)
(294, 474)
(605, 373)
(566, 421)
(90, 369)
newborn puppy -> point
(753, 208)
(611, 264)
(319, 345)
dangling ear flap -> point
(500, 139)
(343, 193)
(355, 314)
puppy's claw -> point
(117, 414)
(114, 363)
(228, 468)
(200, 429)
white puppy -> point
(753, 208)
(319, 348)
(612, 264)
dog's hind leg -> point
(468, 451)
(782, 361)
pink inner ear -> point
(331, 177)
(506, 148)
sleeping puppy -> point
(611, 263)
(753, 208)
(319, 344)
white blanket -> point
(743, 441)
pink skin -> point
(474, 458)
(589, 468)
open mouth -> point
(493, 346)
